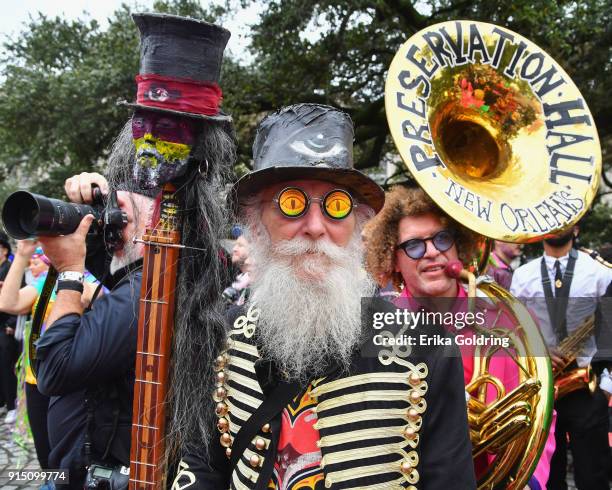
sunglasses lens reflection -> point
(292, 202)
(443, 241)
(415, 249)
(338, 204)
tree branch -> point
(450, 8)
(407, 14)
(371, 158)
(606, 179)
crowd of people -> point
(272, 382)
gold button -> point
(220, 363)
(266, 428)
(415, 397)
(221, 377)
(221, 409)
(228, 452)
(254, 461)
(413, 414)
(260, 444)
(221, 392)
(223, 425)
(226, 440)
(406, 467)
(414, 379)
(410, 433)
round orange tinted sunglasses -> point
(293, 202)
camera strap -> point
(91, 409)
(39, 315)
(91, 401)
(101, 283)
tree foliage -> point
(62, 84)
(61, 79)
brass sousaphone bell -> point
(498, 135)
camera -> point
(26, 215)
(107, 477)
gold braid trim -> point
(371, 414)
(369, 396)
(360, 379)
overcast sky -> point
(15, 14)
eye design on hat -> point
(159, 93)
(319, 146)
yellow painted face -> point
(163, 145)
(149, 149)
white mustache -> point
(303, 246)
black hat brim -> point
(362, 187)
(221, 117)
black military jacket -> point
(396, 420)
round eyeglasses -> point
(415, 248)
(293, 202)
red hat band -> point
(179, 94)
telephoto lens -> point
(28, 215)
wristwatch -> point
(71, 276)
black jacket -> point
(91, 357)
(444, 448)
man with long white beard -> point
(298, 403)
(296, 278)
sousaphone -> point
(498, 135)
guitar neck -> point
(155, 329)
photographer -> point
(86, 358)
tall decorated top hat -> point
(307, 141)
(180, 65)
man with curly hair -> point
(409, 213)
(411, 242)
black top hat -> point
(180, 65)
(4, 241)
(307, 141)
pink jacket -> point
(505, 369)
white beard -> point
(309, 295)
(130, 254)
